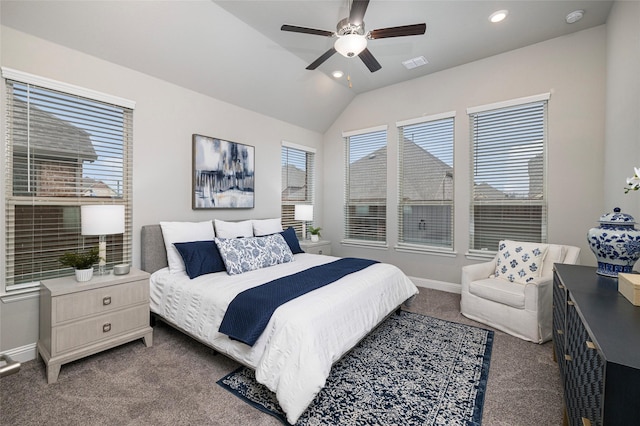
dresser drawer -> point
(104, 327)
(91, 302)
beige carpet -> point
(173, 383)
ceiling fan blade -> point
(358, 8)
(369, 60)
(305, 30)
(326, 55)
(405, 30)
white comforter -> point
(304, 337)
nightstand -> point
(319, 247)
(81, 319)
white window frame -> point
(404, 246)
(310, 176)
(19, 77)
(349, 240)
(541, 201)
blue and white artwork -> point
(223, 174)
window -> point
(63, 150)
(366, 185)
(508, 169)
(425, 205)
(297, 181)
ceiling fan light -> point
(350, 45)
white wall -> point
(165, 118)
(571, 67)
(622, 142)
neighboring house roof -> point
(484, 190)
(418, 185)
(294, 181)
(96, 188)
(49, 136)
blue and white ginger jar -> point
(616, 243)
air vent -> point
(415, 62)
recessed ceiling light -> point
(574, 16)
(498, 16)
(337, 74)
(415, 62)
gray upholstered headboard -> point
(154, 253)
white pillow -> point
(266, 226)
(241, 229)
(520, 262)
(183, 232)
(248, 254)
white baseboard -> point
(23, 353)
(437, 285)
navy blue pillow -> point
(292, 240)
(200, 257)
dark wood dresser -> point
(596, 338)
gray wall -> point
(165, 117)
(622, 141)
(572, 68)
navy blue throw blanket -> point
(250, 311)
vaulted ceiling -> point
(235, 51)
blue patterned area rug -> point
(411, 370)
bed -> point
(303, 338)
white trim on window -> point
(71, 89)
(298, 147)
(363, 131)
(425, 118)
(509, 103)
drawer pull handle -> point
(106, 300)
(568, 357)
(590, 344)
(106, 327)
(586, 422)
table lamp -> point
(303, 212)
(102, 220)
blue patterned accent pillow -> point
(520, 262)
(200, 257)
(248, 254)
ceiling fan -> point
(352, 38)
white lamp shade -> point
(303, 212)
(350, 45)
(102, 219)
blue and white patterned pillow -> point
(520, 262)
(248, 254)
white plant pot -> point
(84, 274)
(315, 238)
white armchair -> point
(522, 310)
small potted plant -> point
(82, 263)
(315, 233)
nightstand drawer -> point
(318, 247)
(104, 327)
(91, 302)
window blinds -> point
(63, 151)
(297, 182)
(366, 186)
(508, 169)
(426, 183)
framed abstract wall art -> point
(223, 174)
